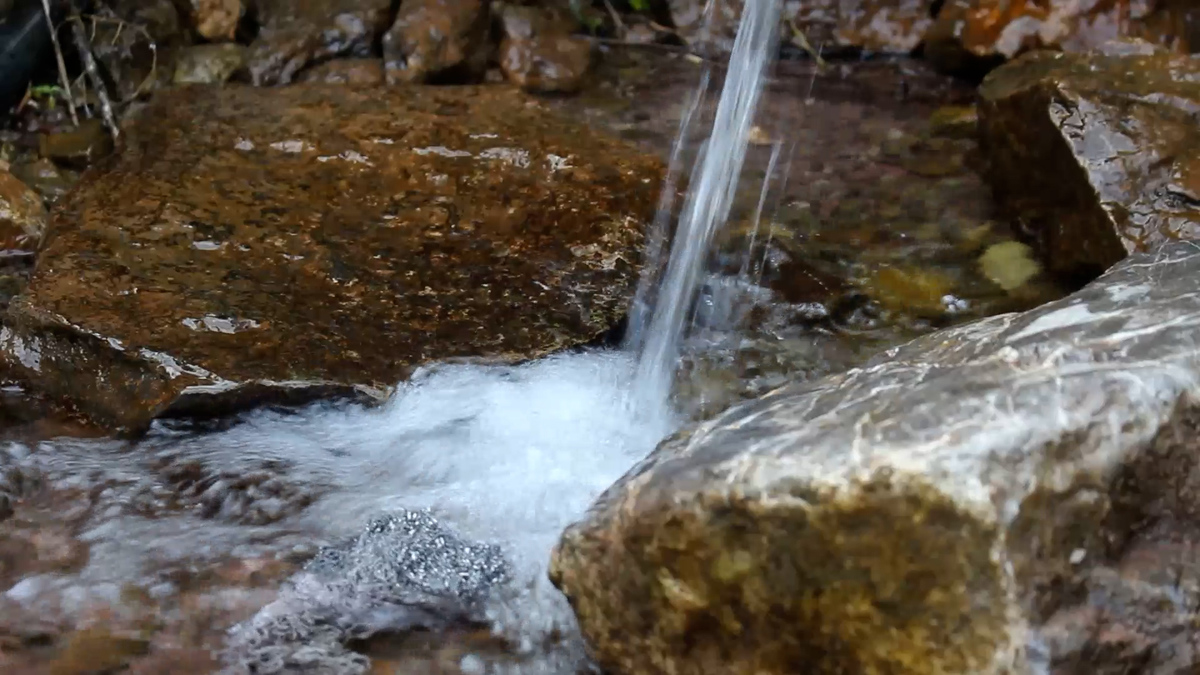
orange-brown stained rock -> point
(22, 215)
(969, 30)
(438, 41)
(1096, 155)
(249, 243)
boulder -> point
(438, 41)
(973, 34)
(249, 244)
(1095, 155)
(298, 33)
(924, 513)
(539, 53)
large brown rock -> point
(925, 513)
(438, 41)
(248, 243)
(1096, 155)
(298, 33)
(970, 34)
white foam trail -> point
(710, 194)
(501, 454)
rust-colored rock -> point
(217, 20)
(438, 41)
(298, 33)
(358, 72)
(250, 244)
(538, 52)
(22, 215)
(969, 34)
(1095, 155)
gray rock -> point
(924, 513)
(405, 571)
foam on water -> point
(505, 456)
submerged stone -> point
(1095, 155)
(924, 513)
(250, 244)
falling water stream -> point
(506, 456)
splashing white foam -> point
(507, 455)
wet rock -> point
(49, 181)
(22, 215)
(438, 41)
(357, 72)
(1115, 135)
(217, 20)
(923, 513)
(251, 245)
(895, 26)
(1137, 615)
(538, 52)
(296, 34)
(209, 64)
(136, 42)
(79, 147)
(406, 571)
(972, 34)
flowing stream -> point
(504, 456)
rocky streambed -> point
(277, 389)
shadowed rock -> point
(894, 26)
(539, 53)
(921, 514)
(251, 245)
(1096, 155)
(438, 41)
(296, 34)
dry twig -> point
(62, 66)
(93, 73)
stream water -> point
(505, 456)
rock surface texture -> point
(925, 513)
(538, 52)
(22, 215)
(295, 35)
(438, 41)
(1096, 155)
(250, 242)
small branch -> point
(93, 73)
(62, 66)
(620, 25)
